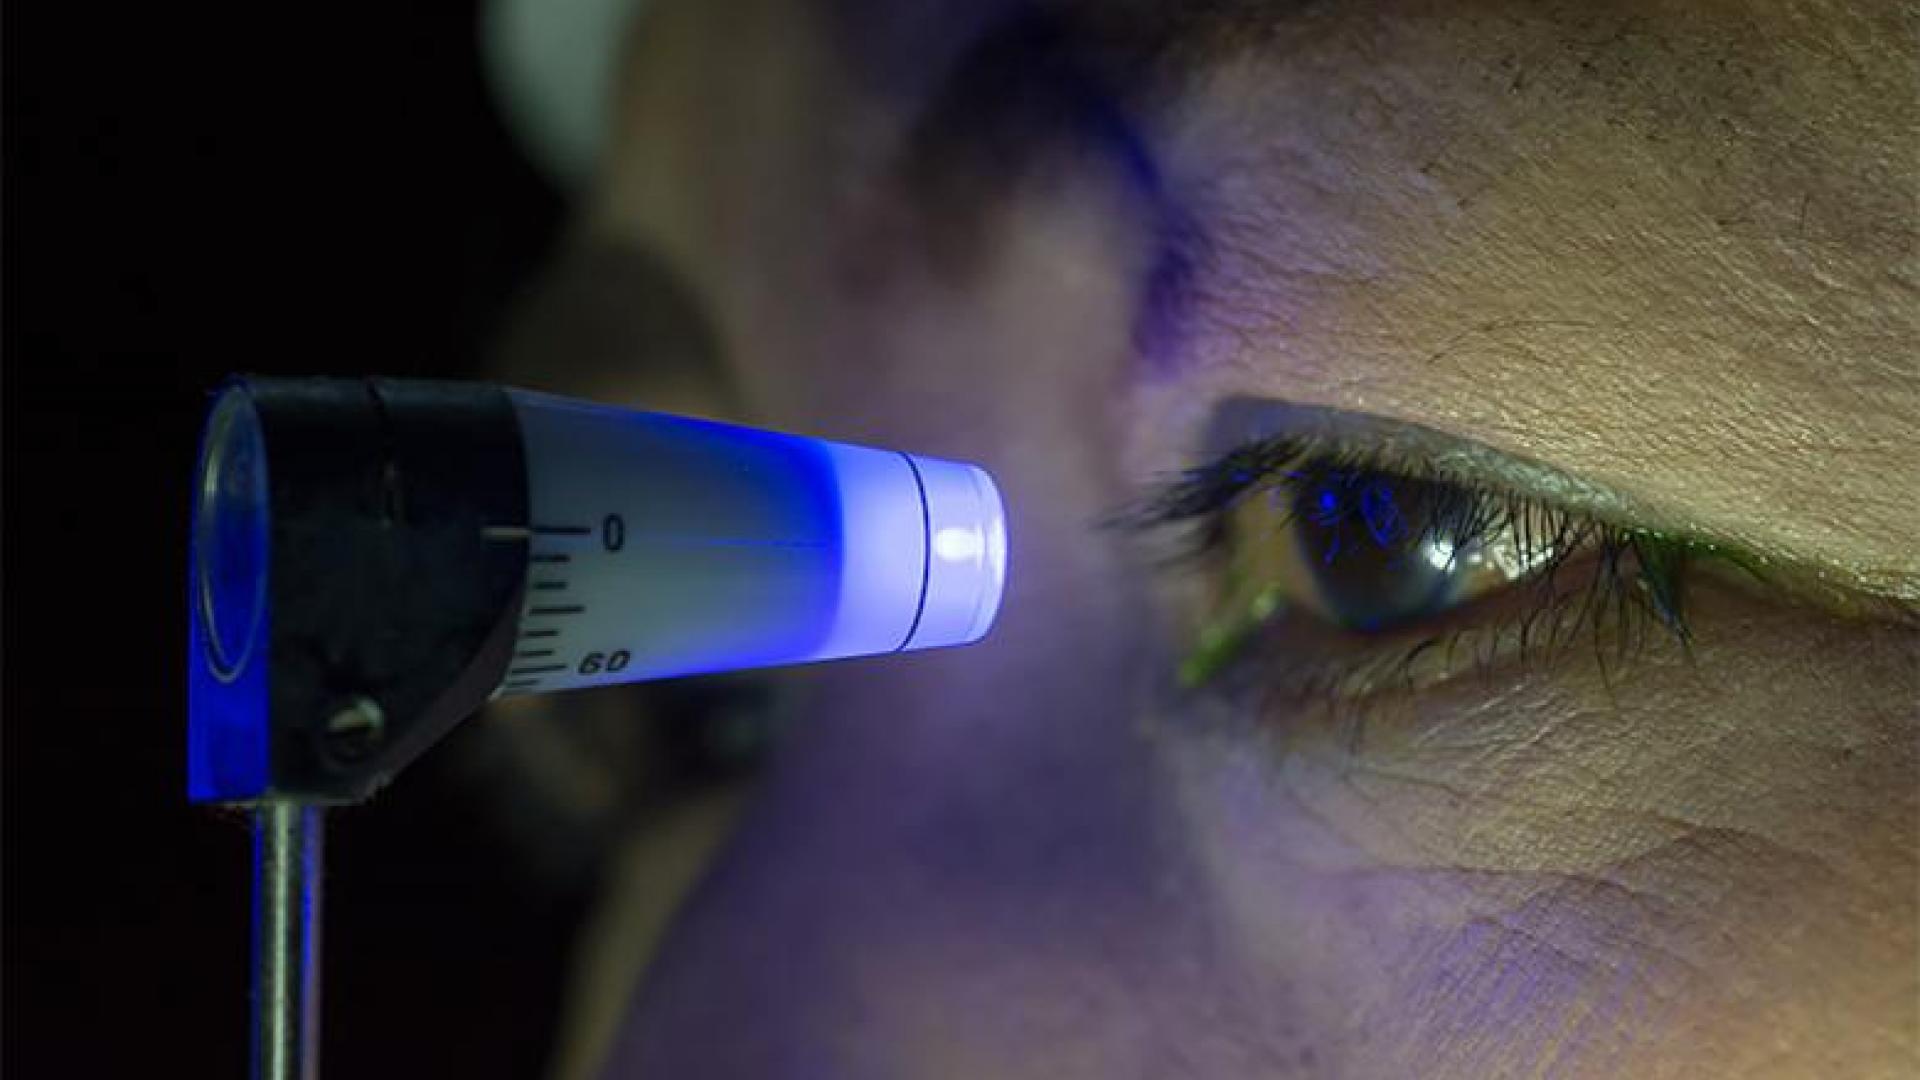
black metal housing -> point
(394, 582)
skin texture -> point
(1667, 248)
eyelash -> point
(1639, 575)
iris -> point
(1368, 541)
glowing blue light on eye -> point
(1381, 514)
(1333, 549)
(1328, 502)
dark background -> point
(192, 190)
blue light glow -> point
(1382, 515)
(229, 610)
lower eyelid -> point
(1290, 661)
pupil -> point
(1364, 536)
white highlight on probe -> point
(959, 545)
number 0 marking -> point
(613, 532)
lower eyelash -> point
(1274, 684)
(1613, 612)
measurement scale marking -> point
(562, 530)
(540, 669)
(549, 585)
(566, 609)
(552, 558)
(519, 684)
(533, 654)
(539, 633)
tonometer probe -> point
(374, 559)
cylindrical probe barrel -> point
(660, 546)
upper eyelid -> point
(1421, 452)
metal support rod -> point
(286, 941)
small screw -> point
(356, 728)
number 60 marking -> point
(609, 663)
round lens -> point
(230, 533)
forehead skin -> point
(1665, 247)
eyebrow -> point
(1029, 83)
(1042, 72)
(1037, 84)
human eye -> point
(1337, 556)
